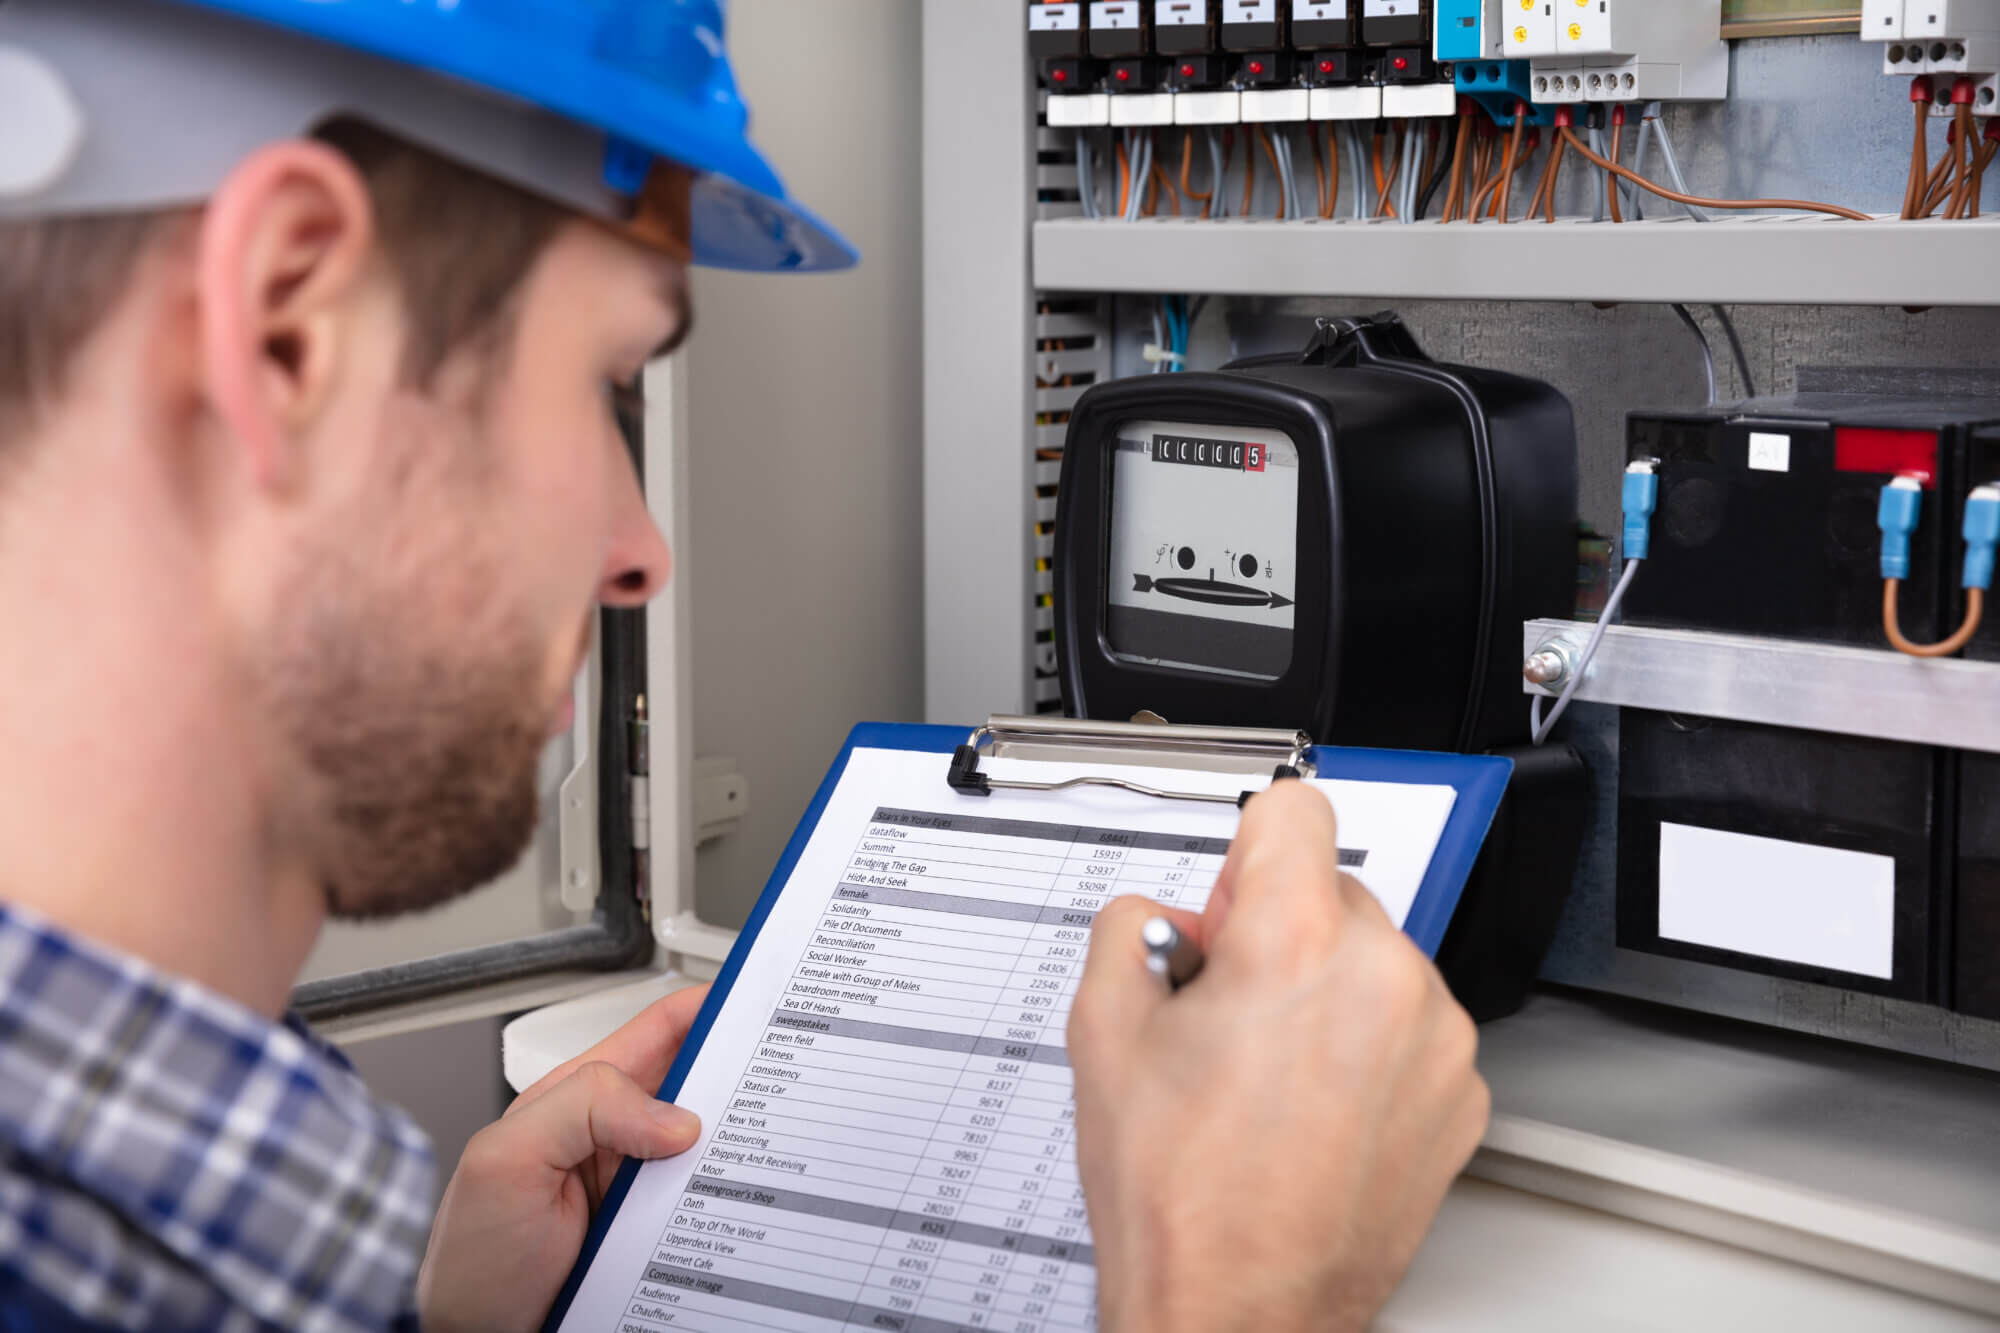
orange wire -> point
(1332, 200)
(1124, 179)
(1975, 607)
(1384, 186)
(1920, 157)
(1165, 185)
(1801, 205)
(1319, 171)
(1187, 186)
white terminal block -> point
(1985, 100)
(1881, 20)
(1275, 104)
(1949, 18)
(1704, 78)
(1420, 99)
(1527, 29)
(1079, 111)
(1135, 109)
(1556, 81)
(1208, 108)
(1975, 53)
(1345, 104)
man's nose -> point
(637, 567)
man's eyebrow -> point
(677, 296)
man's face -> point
(433, 609)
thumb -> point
(598, 1108)
(1118, 993)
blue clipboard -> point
(1479, 780)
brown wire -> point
(1937, 184)
(1500, 204)
(1802, 205)
(1975, 607)
(1165, 186)
(1332, 201)
(1319, 171)
(1124, 178)
(1968, 150)
(1920, 157)
(1457, 190)
(1386, 208)
(1617, 155)
(1555, 170)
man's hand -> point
(1266, 1148)
(514, 1216)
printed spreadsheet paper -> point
(885, 1099)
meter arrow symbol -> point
(1210, 591)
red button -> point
(1122, 75)
(1256, 67)
(1187, 71)
(1326, 67)
(1059, 76)
(1402, 62)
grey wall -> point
(805, 558)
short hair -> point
(459, 243)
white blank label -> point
(1770, 453)
(1788, 901)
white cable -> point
(1159, 341)
(1541, 727)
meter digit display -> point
(1204, 548)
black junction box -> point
(1192, 36)
(1122, 29)
(1253, 25)
(1397, 23)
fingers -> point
(1118, 993)
(597, 1108)
(644, 1049)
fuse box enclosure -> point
(1057, 31)
(1468, 30)
(1396, 23)
(1317, 24)
(1120, 28)
(1184, 27)
(1252, 25)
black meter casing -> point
(1436, 513)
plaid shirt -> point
(169, 1160)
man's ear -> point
(283, 248)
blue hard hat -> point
(652, 75)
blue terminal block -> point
(1499, 86)
(1459, 36)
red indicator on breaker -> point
(1886, 452)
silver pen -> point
(1170, 955)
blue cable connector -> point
(1642, 496)
(1902, 502)
(1982, 534)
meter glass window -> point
(1204, 548)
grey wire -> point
(1736, 350)
(1159, 336)
(1707, 352)
(1406, 196)
(1597, 210)
(1635, 198)
(1674, 177)
(1540, 727)
(1140, 156)
(1288, 191)
(1357, 165)
(1086, 174)
(1219, 206)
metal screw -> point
(1550, 665)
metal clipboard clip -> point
(1245, 750)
